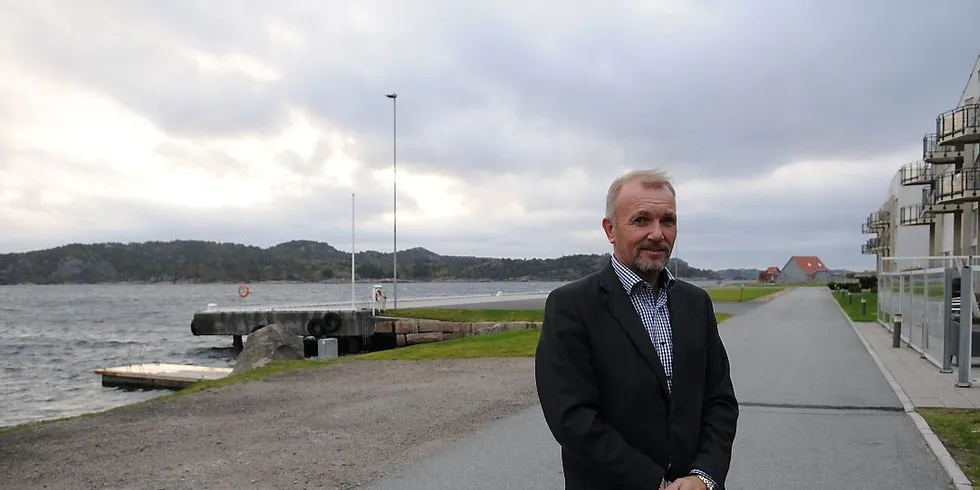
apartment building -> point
(931, 205)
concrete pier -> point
(356, 327)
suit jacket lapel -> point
(622, 309)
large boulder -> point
(269, 343)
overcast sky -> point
(253, 121)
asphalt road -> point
(816, 413)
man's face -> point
(645, 227)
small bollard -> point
(897, 331)
(850, 298)
(864, 306)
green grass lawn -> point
(519, 343)
(516, 343)
(933, 291)
(460, 315)
(959, 430)
(853, 309)
(737, 294)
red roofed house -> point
(769, 275)
(804, 268)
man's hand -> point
(687, 483)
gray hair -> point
(648, 178)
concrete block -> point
(407, 326)
(436, 326)
(421, 338)
(326, 348)
(384, 327)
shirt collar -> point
(629, 279)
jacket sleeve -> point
(569, 394)
(719, 415)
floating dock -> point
(159, 376)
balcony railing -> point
(878, 220)
(958, 186)
(959, 126)
(929, 205)
(917, 173)
(874, 246)
(912, 215)
(933, 153)
(867, 230)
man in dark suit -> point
(631, 373)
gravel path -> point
(335, 428)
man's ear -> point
(607, 226)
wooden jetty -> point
(159, 375)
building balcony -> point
(912, 215)
(933, 153)
(874, 246)
(917, 173)
(958, 186)
(878, 221)
(867, 230)
(959, 126)
(929, 205)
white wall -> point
(972, 88)
(908, 241)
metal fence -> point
(919, 301)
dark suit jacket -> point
(604, 392)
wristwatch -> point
(707, 482)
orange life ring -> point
(244, 289)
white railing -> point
(920, 299)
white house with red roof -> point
(771, 274)
(804, 268)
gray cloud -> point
(485, 91)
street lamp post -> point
(394, 171)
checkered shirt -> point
(656, 320)
(653, 312)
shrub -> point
(868, 282)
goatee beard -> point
(650, 272)
(647, 267)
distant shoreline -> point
(294, 262)
(332, 281)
